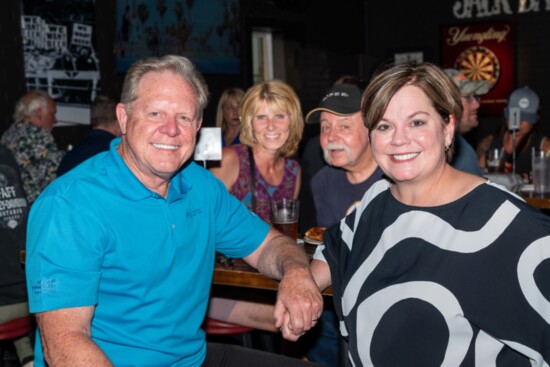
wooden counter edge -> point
(249, 279)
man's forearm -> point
(74, 350)
(281, 255)
(66, 338)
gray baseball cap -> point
(527, 100)
(467, 86)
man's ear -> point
(199, 123)
(122, 117)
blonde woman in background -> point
(271, 129)
(227, 115)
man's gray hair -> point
(178, 64)
(30, 103)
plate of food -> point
(314, 235)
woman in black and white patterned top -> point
(435, 267)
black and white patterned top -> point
(462, 284)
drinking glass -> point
(285, 216)
(541, 172)
(493, 160)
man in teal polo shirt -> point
(120, 250)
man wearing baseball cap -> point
(338, 186)
(465, 158)
(527, 137)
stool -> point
(217, 327)
(14, 329)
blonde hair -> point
(283, 98)
(431, 79)
(227, 94)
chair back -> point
(216, 327)
(15, 328)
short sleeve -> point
(239, 232)
(64, 255)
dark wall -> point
(314, 25)
(330, 43)
(12, 71)
(403, 26)
(347, 37)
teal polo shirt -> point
(98, 237)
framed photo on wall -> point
(205, 31)
(59, 54)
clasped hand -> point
(299, 304)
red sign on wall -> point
(483, 52)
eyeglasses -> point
(471, 97)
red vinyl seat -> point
(14, 329)
(217, 327)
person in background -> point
(465, 157)
(13, 224)
(527, 137)
(312, 160)
(227, 115)
(31, 141)
(271, 129)
(258, 171)
(337, 187)
(120, 252)
(105, 128)
(435, 265)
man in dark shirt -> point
(13, 223)
(338, 186)
(104, 129)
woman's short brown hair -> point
(282, 97)
(431, 79)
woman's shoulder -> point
(238, 148)
(372, 193)
(292, 164)
(233, 153)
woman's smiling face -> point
(409, 142)
(271, 127)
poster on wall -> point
(205, 31)
(483, 52)
(59, 54)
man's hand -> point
(299, 304)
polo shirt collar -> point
(131, 188)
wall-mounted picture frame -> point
(60, 57)
(207, 32)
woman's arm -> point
(298, 182)
(321, 274)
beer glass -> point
(285, 216)
(541, 172)
(493, 160)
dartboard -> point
(479, 63)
